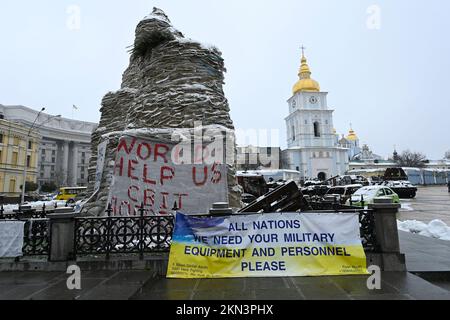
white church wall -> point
(312, 153)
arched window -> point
(322, 176)
(293, 133)
(316, 130)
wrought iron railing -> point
(141, 234)
(144, 234)
(368, 231)
(36, 238)
(123, 235)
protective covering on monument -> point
(172, 82)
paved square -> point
(430, 203)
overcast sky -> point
(385, 63)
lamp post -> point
(27, 141)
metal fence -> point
(153, 234)
(140, 234)
(123, 235)
(36, 240)
(368, 231)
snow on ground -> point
(435, 229)
(406, 206)
(35, 205)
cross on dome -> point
(305, 83)
(303, 50)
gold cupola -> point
(305, 83)
(352, 136)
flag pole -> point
(74, 107)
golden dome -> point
(352, 136)
(305, 83)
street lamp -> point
(24, 183)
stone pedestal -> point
(389, 258)
(62, 228)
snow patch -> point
(157, 14)
(435, 229)
(406, 207)
(205, 46)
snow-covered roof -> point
(348, 186)
(371, 188)
(270, 172)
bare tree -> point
(411, 159)
(447, 155)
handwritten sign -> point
(145, 173)
(266, 245)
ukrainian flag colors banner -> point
(266, 245)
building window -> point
(316, 130)
(30, 145)
(82, 176)
(43, 152)
(1, 137)
(293, 133)
(16, 141)
(14, 158)
(28, 161)
(12, 185)
(53, 152)
(1, 156)
(53, 160)
(52, 168)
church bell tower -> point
(311, 137)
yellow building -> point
(15, 153)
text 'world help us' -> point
(150, 171)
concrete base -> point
(145, 285)
(156, 264)
(61, 236)
(387, 261)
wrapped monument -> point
(172, 83)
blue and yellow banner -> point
(266, 245)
